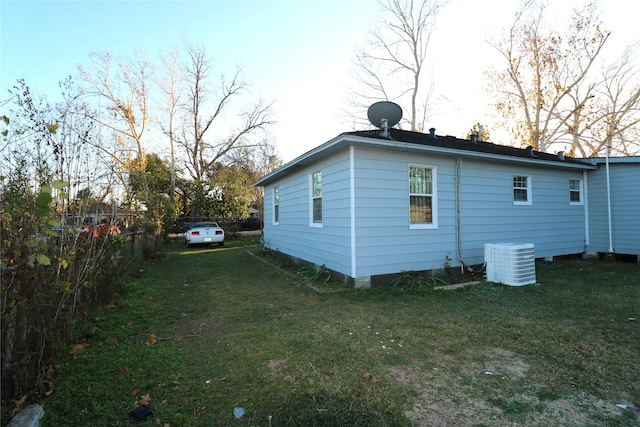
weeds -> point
(414, 281)
(315, 274)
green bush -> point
(51, 277)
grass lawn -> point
(204, 331)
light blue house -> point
(614, 207)
(368, 206)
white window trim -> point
(311, 198)
(529, 191)
(580, 190)
(434, 199)
(276, 202)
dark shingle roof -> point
(453, 143)
(445, 145)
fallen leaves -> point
(152, 340)
(18, 405)
(145, 399)
(368, 376)
(76, 349)
(79, 347)
(113, 340)
(47, 379)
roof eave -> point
(386, 144)
(298, 161)
(454, 152)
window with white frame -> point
(316, 198)
(521, 190)
(422, 200)
(575, 191)
(276, 205)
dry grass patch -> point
(496, 390)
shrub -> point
(51, 277)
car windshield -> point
(204, 225)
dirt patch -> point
(494, 361)
(439, 415)
(582, 409)
(439, 405)
(450, 395)
(506, 363)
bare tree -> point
(616, 122)
(392, 66)
(123, 92)
(203, 145)
(170, 83)
(549, 91)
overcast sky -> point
(296, 52)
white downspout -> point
(587, 237)
(458, 215)
(352, 197)
(609, 200)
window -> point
(316, 198)
(521, 190)
(422, 203)
(575, 191)
(276, 205)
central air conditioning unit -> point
(510, 263)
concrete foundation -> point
(362, 282)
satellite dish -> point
(384, 114)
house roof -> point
(614, 160)
(454, 143)
(430, 144)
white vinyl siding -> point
(366, 225)
(328, 243)
(422, 201)
(625, 207)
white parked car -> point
(204, 233)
